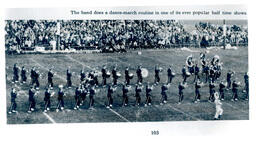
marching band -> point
(89, 81)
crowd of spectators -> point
(116, 35)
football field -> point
(236, 60)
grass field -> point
(187, 111)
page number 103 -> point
(155, 132)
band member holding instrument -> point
(164, 89)
(229, 76)
(95, 78)
(77, 97)
(23, 75)
(157, 74)
(15, 73)
(47, 99)
(139, 75)
(181, 87)
(184, 73)
(61, 94)
(13, 106)
(104, 75)
(148, 95)
(198, 85)
(235, 86)
(170, 74)
(138, 90)
(222, 86)
(211, 89)
(114, 74)
(190, 64)
(69, 75)
(32, 75)
(92, 93)
(84, 92)
(50, 77)
(82, 75)
(37, 75)
(125, 90)
(197, 70)
(109, 96)
(31, 99)
(128, 76)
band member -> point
(47, 99)
(114, 74)
(82, 75)
(37, 75)
(32, 75)
(13, 101)
(246, 82)
(218, 104)
(190, 64)
(104, 75)
(235, 86)
(61, 94)
(23, 75)
(198, 85)
(184, 73)
(69, 75)
(139, 75)
(77, 97)
(222, 86)
(212, 74)
(95, 78)
(170, 74)
(157, 74)
(148, 95)
(181, 87)
(206, 69)
(50, 77)
(164, 89)
(211, 89)
(229, 76)
(197, 70)
(15, 73)
(31, 99)
(84, 92)
(125, 90)
(127, 76)
(138, 90)
(109, 96)
(92, 93)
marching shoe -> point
(47, 109)
(57, 110)
(32, 109)
(62, 108)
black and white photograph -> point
(126, 70)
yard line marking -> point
(183, 112)
(98, 102)
(50, 118)
(119, 115)
(79, 62)
(60, 77)
(235, 107)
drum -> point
(108, 74)
(130, 75)
(144, 72)
(118, 74)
